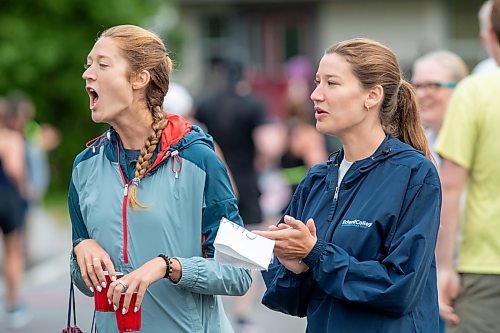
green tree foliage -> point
(43, 46)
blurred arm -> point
(453, 180)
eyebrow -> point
(328, 76)
(99, 57)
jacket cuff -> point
(313, 257)
(190, 273)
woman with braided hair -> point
(146, 197)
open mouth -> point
(320, 111)
(94, 96)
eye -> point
(103, 65)
(332, 83)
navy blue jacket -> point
(373, 266)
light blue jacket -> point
(188, 192)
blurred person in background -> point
(355, 248)
(485, 36)
(13, 191)
(40, 140)
(469, 290)
(234, 116)
(147, 196)
(435, 75)
(180, 102)
(305, 146)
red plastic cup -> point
(131, 321)
(101, 298)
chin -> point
(322, 128)
(328, 129)
(96, 117)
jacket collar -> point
(177, 128)
(389, 148)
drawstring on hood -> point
(100, 141)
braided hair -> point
(145, 51)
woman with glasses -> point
(435, 75)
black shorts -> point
(12, 210)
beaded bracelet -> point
(168, 262)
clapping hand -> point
(294, 240)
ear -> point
(374, 96)
(140, 80)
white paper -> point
(236, 246)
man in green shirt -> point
(469, 290)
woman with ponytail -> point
(355, 248)
(146, 197)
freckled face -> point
(107, 81)
(338, 97)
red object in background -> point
(272, 91)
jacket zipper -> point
(124, 222)
(125, 199)
(336, 195)
(124, 206)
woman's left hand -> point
(138, 280)
(294, 265)
(294, 242)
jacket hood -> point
(177, 135)
(182, 134)
(391, 147)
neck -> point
(134, 128)
(358, 146)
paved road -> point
(47, 281)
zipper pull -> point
(125, 190)
(336, 195)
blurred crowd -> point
(24, 180)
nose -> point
(88, 74)
(316, 94)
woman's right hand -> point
(93, 261)
(293, 265)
